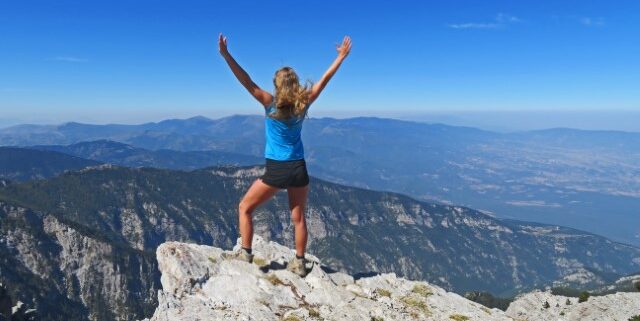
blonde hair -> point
(291, 98)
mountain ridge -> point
(113, 191)
(562, 179)
(137, 209)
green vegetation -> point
(314, 313)
(458, 317)
(584, 296)
(637, 285)
(488, 300)
(565, 291)
(292, 317)
(414, 302)
(377, 319)
(383, 292)
(635, 318)
(422, 290)
(274, 279)
(260, 261)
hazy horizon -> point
(498, 121)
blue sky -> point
(133, 61)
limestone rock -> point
(198, 284)
(618, 306)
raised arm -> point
(262, 96)
(343, 52)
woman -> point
(284, 154)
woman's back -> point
(283, 136)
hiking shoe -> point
(240, 254)
(298, 266)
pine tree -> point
(584, 296)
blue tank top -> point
(283, 137)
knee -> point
(297, 218)
(244, 207)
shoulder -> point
(271, 104)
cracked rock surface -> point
(198, 284)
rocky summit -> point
(198, 284)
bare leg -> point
(297, 204)
(257, 194)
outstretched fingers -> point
(347, 42)
(222, 43)
(345, 47)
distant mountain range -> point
(126, 155)
(82, 243)
(20, 164)
(582, 179)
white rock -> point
(198, 284)
(618, 306)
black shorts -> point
(283, 174)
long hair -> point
(291, 98)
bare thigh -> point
(257, 194)
(297, 200)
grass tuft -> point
(274, 279)
(383, 292)
(259, 261)
(422, 290)
(314, 313)
(458, 317)
(414, 302)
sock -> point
(248, 250)
(299, 257)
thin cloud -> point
(591, 22)
(507, 18)
(500, 21)
(472, 25)
(68, 59)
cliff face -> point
(81, 245)
(67, 272)
(200, 285)
(455, 247)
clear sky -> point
(133, 61)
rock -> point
(618, 306)
(20, 312)
(198, 284)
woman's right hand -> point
(345, 48)
(222, 45)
